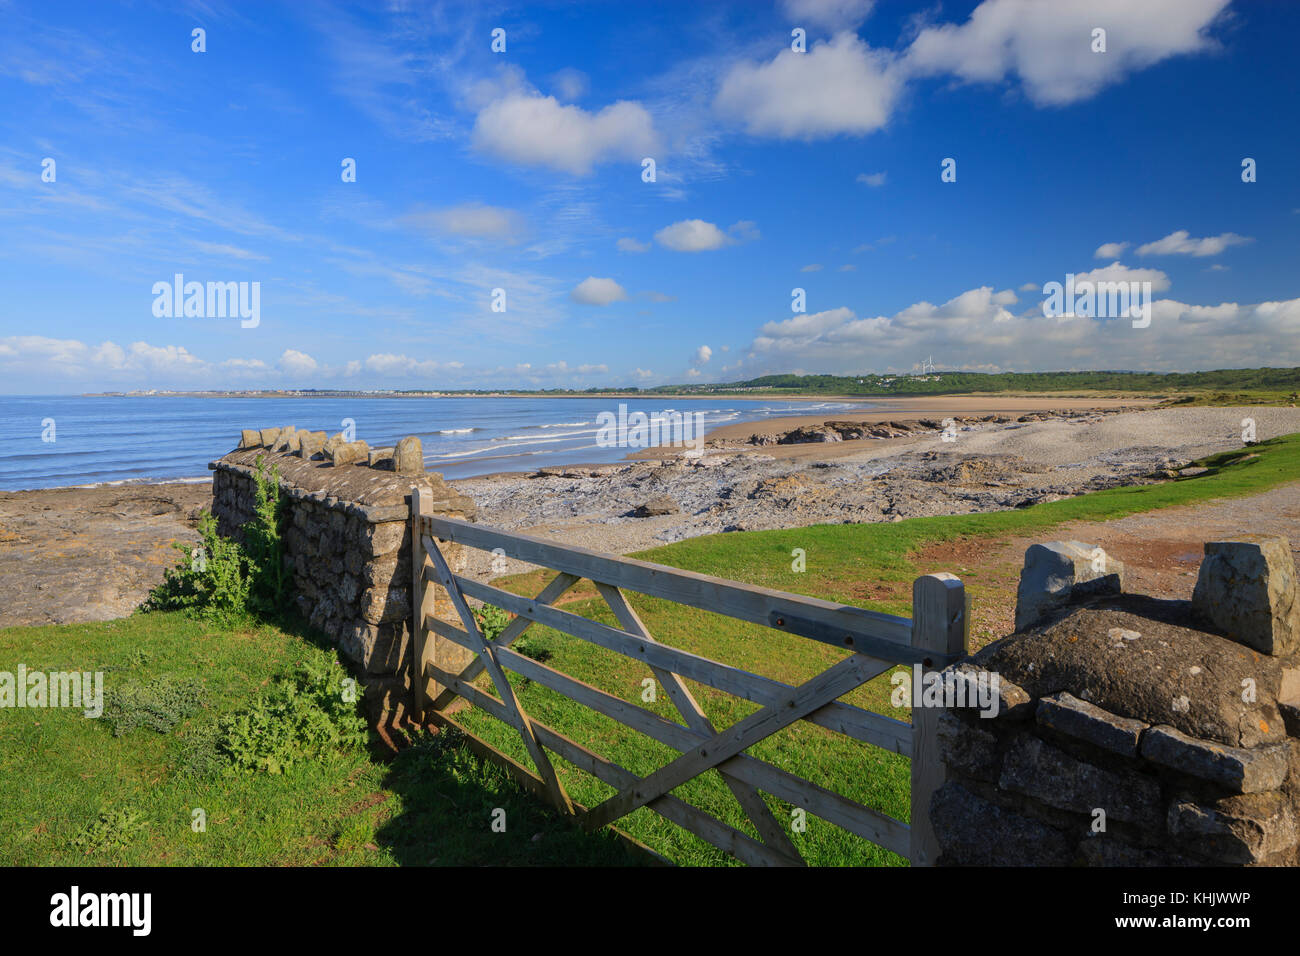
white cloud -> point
(1116, 272)
(691, 235)
(703, 354)
(1110, 250)
(976, 330)
(296, 363)
(848, 267)
(631, 245)
(872, 179)
(1181, 244)
(594, 291)
(540, 131)
(696, 235)
(812, 267)
(840, 86)
(403, 366)
(830, 14)
(1049, 45)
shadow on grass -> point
(460, 810)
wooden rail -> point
(933, 638)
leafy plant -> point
(492, 620)
(112, 830)
(264, 546)
(159, 705)
(225, 582)
(299, 717)
(212, 580)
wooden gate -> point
(934, 637)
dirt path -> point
(1161, 551)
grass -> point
(1248, 397)
(77, 794)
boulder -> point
(408, 456)
(381, 458)
(269, 435)
(809, 433)
(1061, 572)
(1247, 589)
(658, 505)
(250, 438)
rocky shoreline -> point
(895, 470)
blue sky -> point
(522, 171)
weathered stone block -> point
(269, 435)
(311, 444)
(1168, 674)
(282, 439)
(1066, 714)
(974, 832)
(1247, 589)
(384, 605)
(408, 456)
(1236, 768)
(346, 453)
(1060, 572)
(1053, 777)
(1238, 830)
(385, 538)
(250, 438)
(967, 749)
(975, 684)
(381, 458)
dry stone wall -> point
(1130, 731)
(347, 544)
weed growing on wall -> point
(226, 582)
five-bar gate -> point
(933, 637)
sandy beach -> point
(77, 554)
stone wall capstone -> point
(1135, 736)
(347, 544)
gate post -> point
(940, 624)
(422, 604)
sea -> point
(50, 442)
